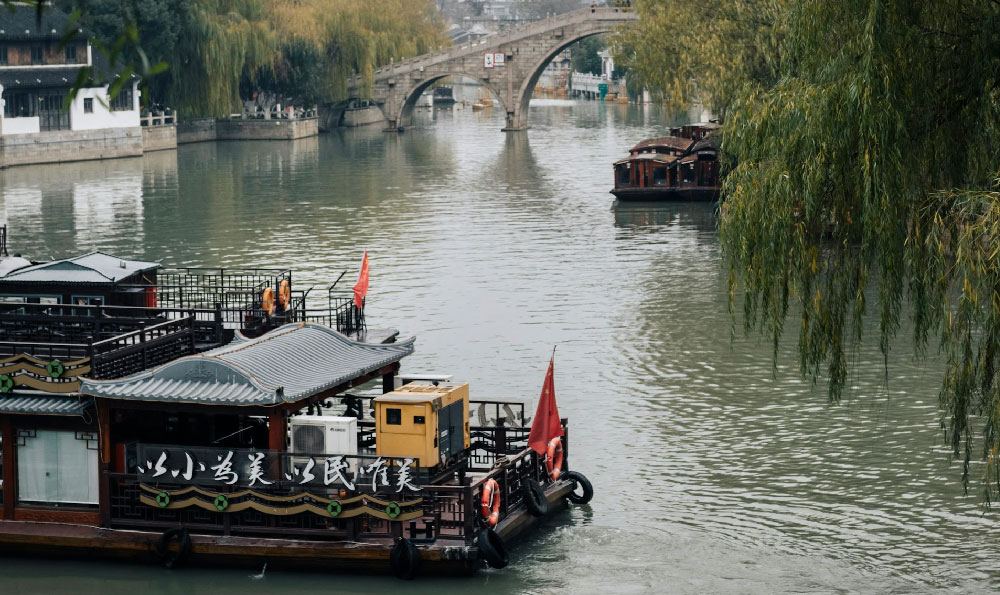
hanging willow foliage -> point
(357, 37)
(232, 43)
(223, 41)
(862, 141)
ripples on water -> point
(713, 473)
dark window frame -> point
(71, 54)
(37, 55)
(88, 105)
(124, 100)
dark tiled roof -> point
(288, 364)
(28, 404)
(19, 22)
(91, 268)
(665, 142)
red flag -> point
(546, 425)
(361, 287)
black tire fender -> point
(492, 548)
(579, 479)
(405, 559)
(173, 559)
(534, 498)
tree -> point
(584, 54)
(539, 9)
(864, 177)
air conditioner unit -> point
(323, 434)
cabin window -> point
(70, 54)
(418, 419)
(88, 105)
(624, 176)
(37, 57)
(123, 101)
(659, 176)
(57, 467)
(87, 300)
(393, 416)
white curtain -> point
(56, 467)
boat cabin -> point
(682, 166)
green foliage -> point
(584, 54)
(863, 177)
(222, 51)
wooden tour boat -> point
(683, 166)
(198, 416)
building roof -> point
(663, 142)
(288, 364)
(19, 22)
(30, 404)
(94, 268)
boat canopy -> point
(94, 268)
(655, 157)
(664, 142)
(289, 364)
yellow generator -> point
(423, 421)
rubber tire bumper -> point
(492, 548)
(581, 480)
(405, 559)
(171, 559)
(534, 498)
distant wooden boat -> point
(483, 101)
(683, 167)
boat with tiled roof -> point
(198, 415)
(683, 166)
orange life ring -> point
(554, 458)
(490, 503)
(285, 294)
(267, 301)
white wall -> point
(18, 125)
(102, 116)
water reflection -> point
(714, 471)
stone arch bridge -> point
(517, 56)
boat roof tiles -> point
(94, 268)
(288, 364)
(657, 157)
(668, 142)
(31, 404)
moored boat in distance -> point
(683, 166)
(443, 96)
(203, 416)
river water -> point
(714, 471)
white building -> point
(37, 73)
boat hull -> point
(443, 556)
(689, 194)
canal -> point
(715, 472)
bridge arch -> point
(517, 118)
(404, 116)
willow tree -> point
(222, 41)
(323, 43)
(863, 177)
